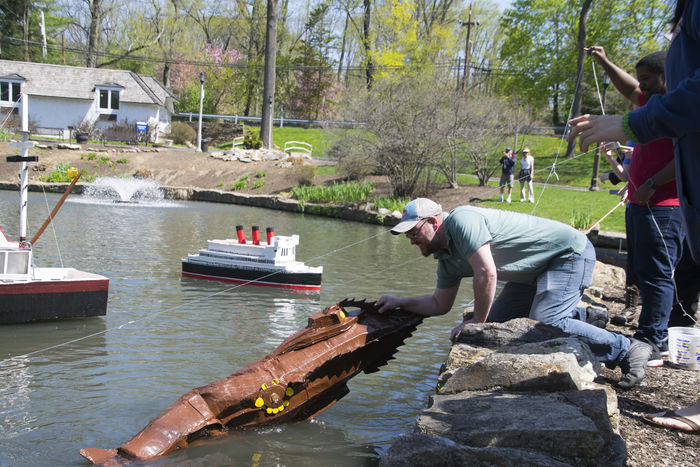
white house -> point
(60, 96)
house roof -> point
(74, 82)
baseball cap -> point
(414, 212)
(526, 150)
(508, 149)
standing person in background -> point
(675, 115)
(507, 168)
(652, 217)
(527, 171)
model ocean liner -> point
(272, 263)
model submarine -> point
(301, 378)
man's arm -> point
(665, 175)
(625, 83)
(439, 303)
(485, 277)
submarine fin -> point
(100, 456)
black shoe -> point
(634, 364)
(598, 317)
(656, 358)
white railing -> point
(237, 142)
(297, 146)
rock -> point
(384, 212)
(519, 372)
(550, 424)
(143, 173)
(72, 147)
(514, 332)
(419, 449)
(608, 276)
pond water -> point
(96, 382)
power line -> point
(450, 64)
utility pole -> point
(468, 24)
(201, 104)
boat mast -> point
(25, 144)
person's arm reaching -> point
(439, 303)
(625, 83)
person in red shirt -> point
(653, 217)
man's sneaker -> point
(598, 317)
(634, 364)
(663, 349)
(508, 200)
(500, 199)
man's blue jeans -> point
(654, 244)
(554, 299)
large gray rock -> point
(551, 424)
(557, 371)
(514, 332)
(419, 449)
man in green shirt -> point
(547, 266)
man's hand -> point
(596, 128)
(456, 331)
(597, 52)
(387, 302)
(643, 193)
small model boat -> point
(301, 378)
(271, 264)
(29, 293)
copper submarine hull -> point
(302, 377)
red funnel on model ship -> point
(240, 233)
(302, 377)
(256, 235)
(270, 234)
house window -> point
(9, 91)
(109, 99)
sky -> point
(503, 4)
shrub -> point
(259, 184)
(304, 174)
(251, 139)
(104, 159)
(349, 192)
(91, 156)
(122, 160)
(581, 219)
(181, 133)
(260, 174)
(239, 185)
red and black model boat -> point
(29, 293)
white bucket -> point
(684, 347)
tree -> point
(549, 28)
(418, 126)
(269, 77)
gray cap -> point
(414, 212)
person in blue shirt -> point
(507, 173)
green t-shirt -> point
(521, 245)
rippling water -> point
(96, 382)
